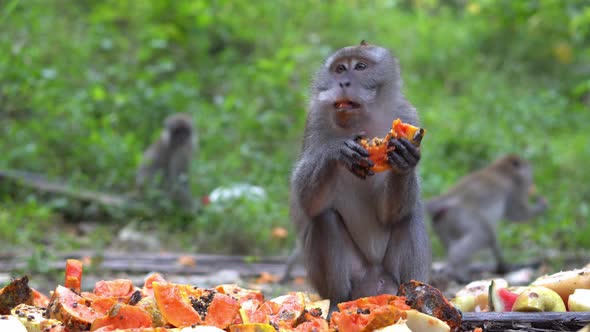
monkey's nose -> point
(344, 84)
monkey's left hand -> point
(404, 156)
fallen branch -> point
(525, 321)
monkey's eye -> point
(340, 68)
(360, 66)
(515, 163)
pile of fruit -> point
(160, 305)
(559, 292)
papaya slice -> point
(174, 304)
(114, 288)
(369, 313)
(281, 312)
(248, 299)
(15, 293)
(102, 305)
(147, 285)
(312, 320)
(73, 279)
(377, 147)
(149, 305)
(39, 299)
(252, 327)
(70, 308)
(222, 311)
(123, 316)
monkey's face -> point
(521, 169)
(180, 134)
(353, 78)
(178, 129)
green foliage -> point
(86, 85)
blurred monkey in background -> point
(466, 217)
(166, 163)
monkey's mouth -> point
(346, 105)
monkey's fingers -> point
(406, 150)
(356, 147)
(397, 162)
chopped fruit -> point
(579, 300)
(69, 308)
(564, 283)
(538, 298)
(420, 322)
(73, 275)
(175, 305)
(11, 323)
(252, 327)
(39, 299)
(378, 147)
(501, 299)
(123, 316)
(114, 288)
(15, 293)
(431, 301)
(34, 320)
(369, 313)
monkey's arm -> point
(518, 207)
(313, 178)
(401, 189)
(400, 196)
(312, 182)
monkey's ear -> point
(364, 43)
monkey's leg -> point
(408, 254)
(461, 252)
(501, 266)
(330, 257)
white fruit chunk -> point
(579, 300)
(11, 323)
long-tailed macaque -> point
(361, 233)
(466, 217)
(168, 160)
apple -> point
(539, 298)
(420, 322)
(564, 283)
(579, 300)
(480, 291)
(464, 303)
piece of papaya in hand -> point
(377, 146)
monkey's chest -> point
(358, 209)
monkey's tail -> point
(436, 208)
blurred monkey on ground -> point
(166, 163)
(466, 217)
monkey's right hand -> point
(356, 158)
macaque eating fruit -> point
(360, 230)
(466, 217)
